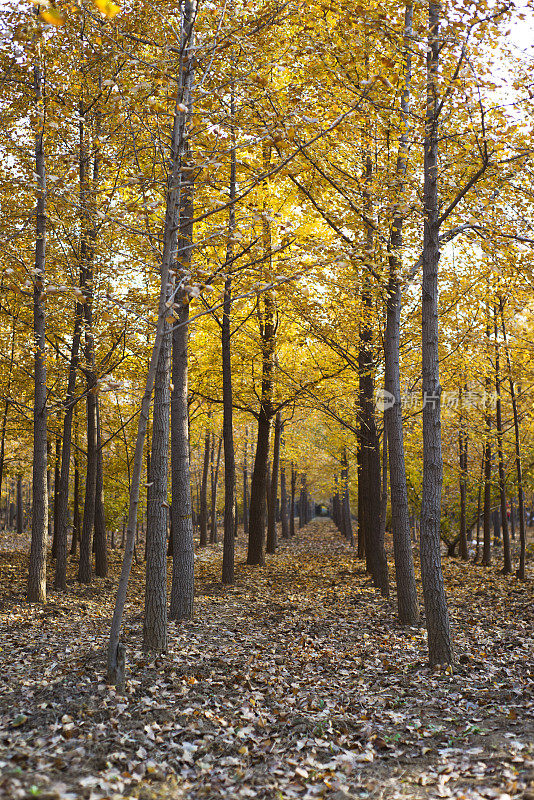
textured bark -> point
(507, 555)
(88, 235)
(273, 494)
(267, 325)
(203, 514)
(6, 405)
(155, 617)
(370, 445)
(20, 506)
(100, 541)
(245, 486)
(462, 446)
(292, 501)
(230, 515)
(60, 577)
(215, 466)
(169, 248)
(407, 605)
(37, 565)
(183, 567)
(284, 519)
(521, 574)
(57, 472)
(346, 520)
(437, 617)
(76, 510)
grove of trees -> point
(259, 256)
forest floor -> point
(296, 683)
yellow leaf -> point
(107, 7)
(52, 16)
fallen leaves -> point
(295, 683)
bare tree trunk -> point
(346, 520)
(204, 492)
(100, 540)
(462, 445)
(283, 504)
(267, 324)
(182, 591)
(37, 566)
(155, 619)
(521, 573)
(88, 235)
(292, 501)
(214, 484)
(437, 616)
(245, 486)
(507, 566)
(60, 578)
(57, 472)
(115, 651)
(271, 532)
(20, 506)
(76, 509)
(407, 605)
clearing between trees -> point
(297, 682)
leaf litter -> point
(295, 683)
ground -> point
(296, 683)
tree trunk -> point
(57, 472)
(155, 619)
(37, 566)
(214, 482)
(230, 500)
(100, 541)
(115, 664)
(292, 501)
(407, 605)
(507, 555)
(437, 616)
(346, 520)
(245, 486)
(76, 509)
(462, 445)
(204, 492)
(20, 506)
(271, 532)
(267, 324)
(183, 547)
(521, 573)
(61, 518)
(284, 520)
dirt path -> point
(297, 683)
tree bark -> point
(271, 532)
(462, 446)
(245, 486)
(204, 492)
(214, 485)
(507, 555)
(37, 566)
(230, 500)
(60, 579)
(292, 501)
(284, 520)
(155, 618)
(100, 540)
(267, 325)
(407, 605)
(521, 572)
(437, 616)
(115, 650)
